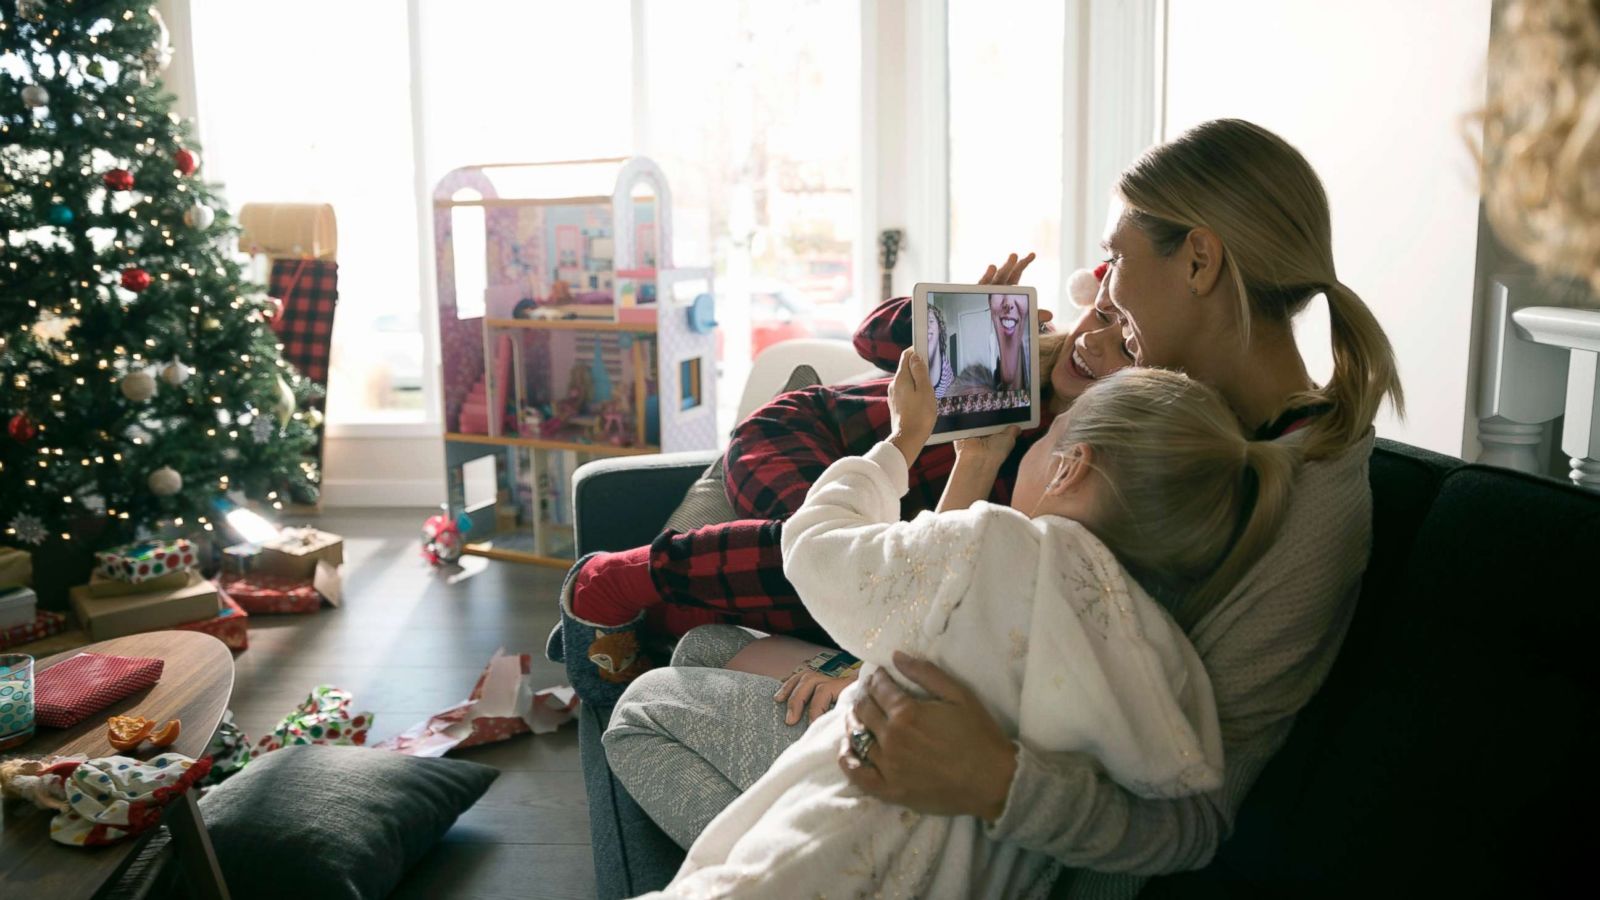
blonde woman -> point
(1223, 236)
(1034, 605)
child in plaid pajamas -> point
(732, 572)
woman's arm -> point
(1060, 804)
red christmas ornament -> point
(274, 308)
(119, 180)
(22, 428)
(187, 162)
(135, 280)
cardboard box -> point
(231, 624)
(296, 552)
(102, 586)
(108, 617)
(16, 567)
(17, 607)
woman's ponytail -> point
(1269, 469)
(1363, 374)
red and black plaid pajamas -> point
(734, 571)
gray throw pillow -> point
(706, 503)
(334, 822)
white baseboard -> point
(351, 492)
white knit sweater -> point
(1035, 614)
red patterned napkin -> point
(67, 692)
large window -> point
(752, 109)
(1005, 120)
(309, 101)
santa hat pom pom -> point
(1082, 287)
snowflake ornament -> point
(261, 429)
(28, 529)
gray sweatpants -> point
(688, 739)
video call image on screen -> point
(978, 359)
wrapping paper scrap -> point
(229, 751)
(324, 718)
(504, 703)
(101, 801)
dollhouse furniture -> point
(566, 334)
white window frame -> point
(1113, 88)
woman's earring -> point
(1192, 290)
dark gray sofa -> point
(1445, 755)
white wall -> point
(1373, 93)
(397, 470)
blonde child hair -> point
(1193, 502)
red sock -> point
(613, 587)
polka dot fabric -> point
(113, 797)
(67, 692)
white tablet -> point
(981, 342)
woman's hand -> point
(991, 449)
(810, 688)
(944, 756)
(912, 408)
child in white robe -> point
(1031, 605)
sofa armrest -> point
(622, 502)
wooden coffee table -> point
(195, 686)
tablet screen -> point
(981, 357)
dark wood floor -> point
(408, 642)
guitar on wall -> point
(888, 254)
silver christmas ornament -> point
(165, 481)
(35, 96)
(138, 386)
(175, 373)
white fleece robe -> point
(1036, 615)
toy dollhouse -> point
(566, 334)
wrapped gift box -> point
(231, 624)
(240, 559)
(268, 594)
(109, 617)
(295, 552)
(101, 586)
(138, 563)
(18, 606)
(16, 568)
(45, 624)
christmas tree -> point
(140, 381)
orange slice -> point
(126, 732)
(167, 733)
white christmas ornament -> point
(160, 53)
(199, 217)
(262, 429)
(28, 529)
(138, 386)
(165, 481)
(34, 96)
(175, 373)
